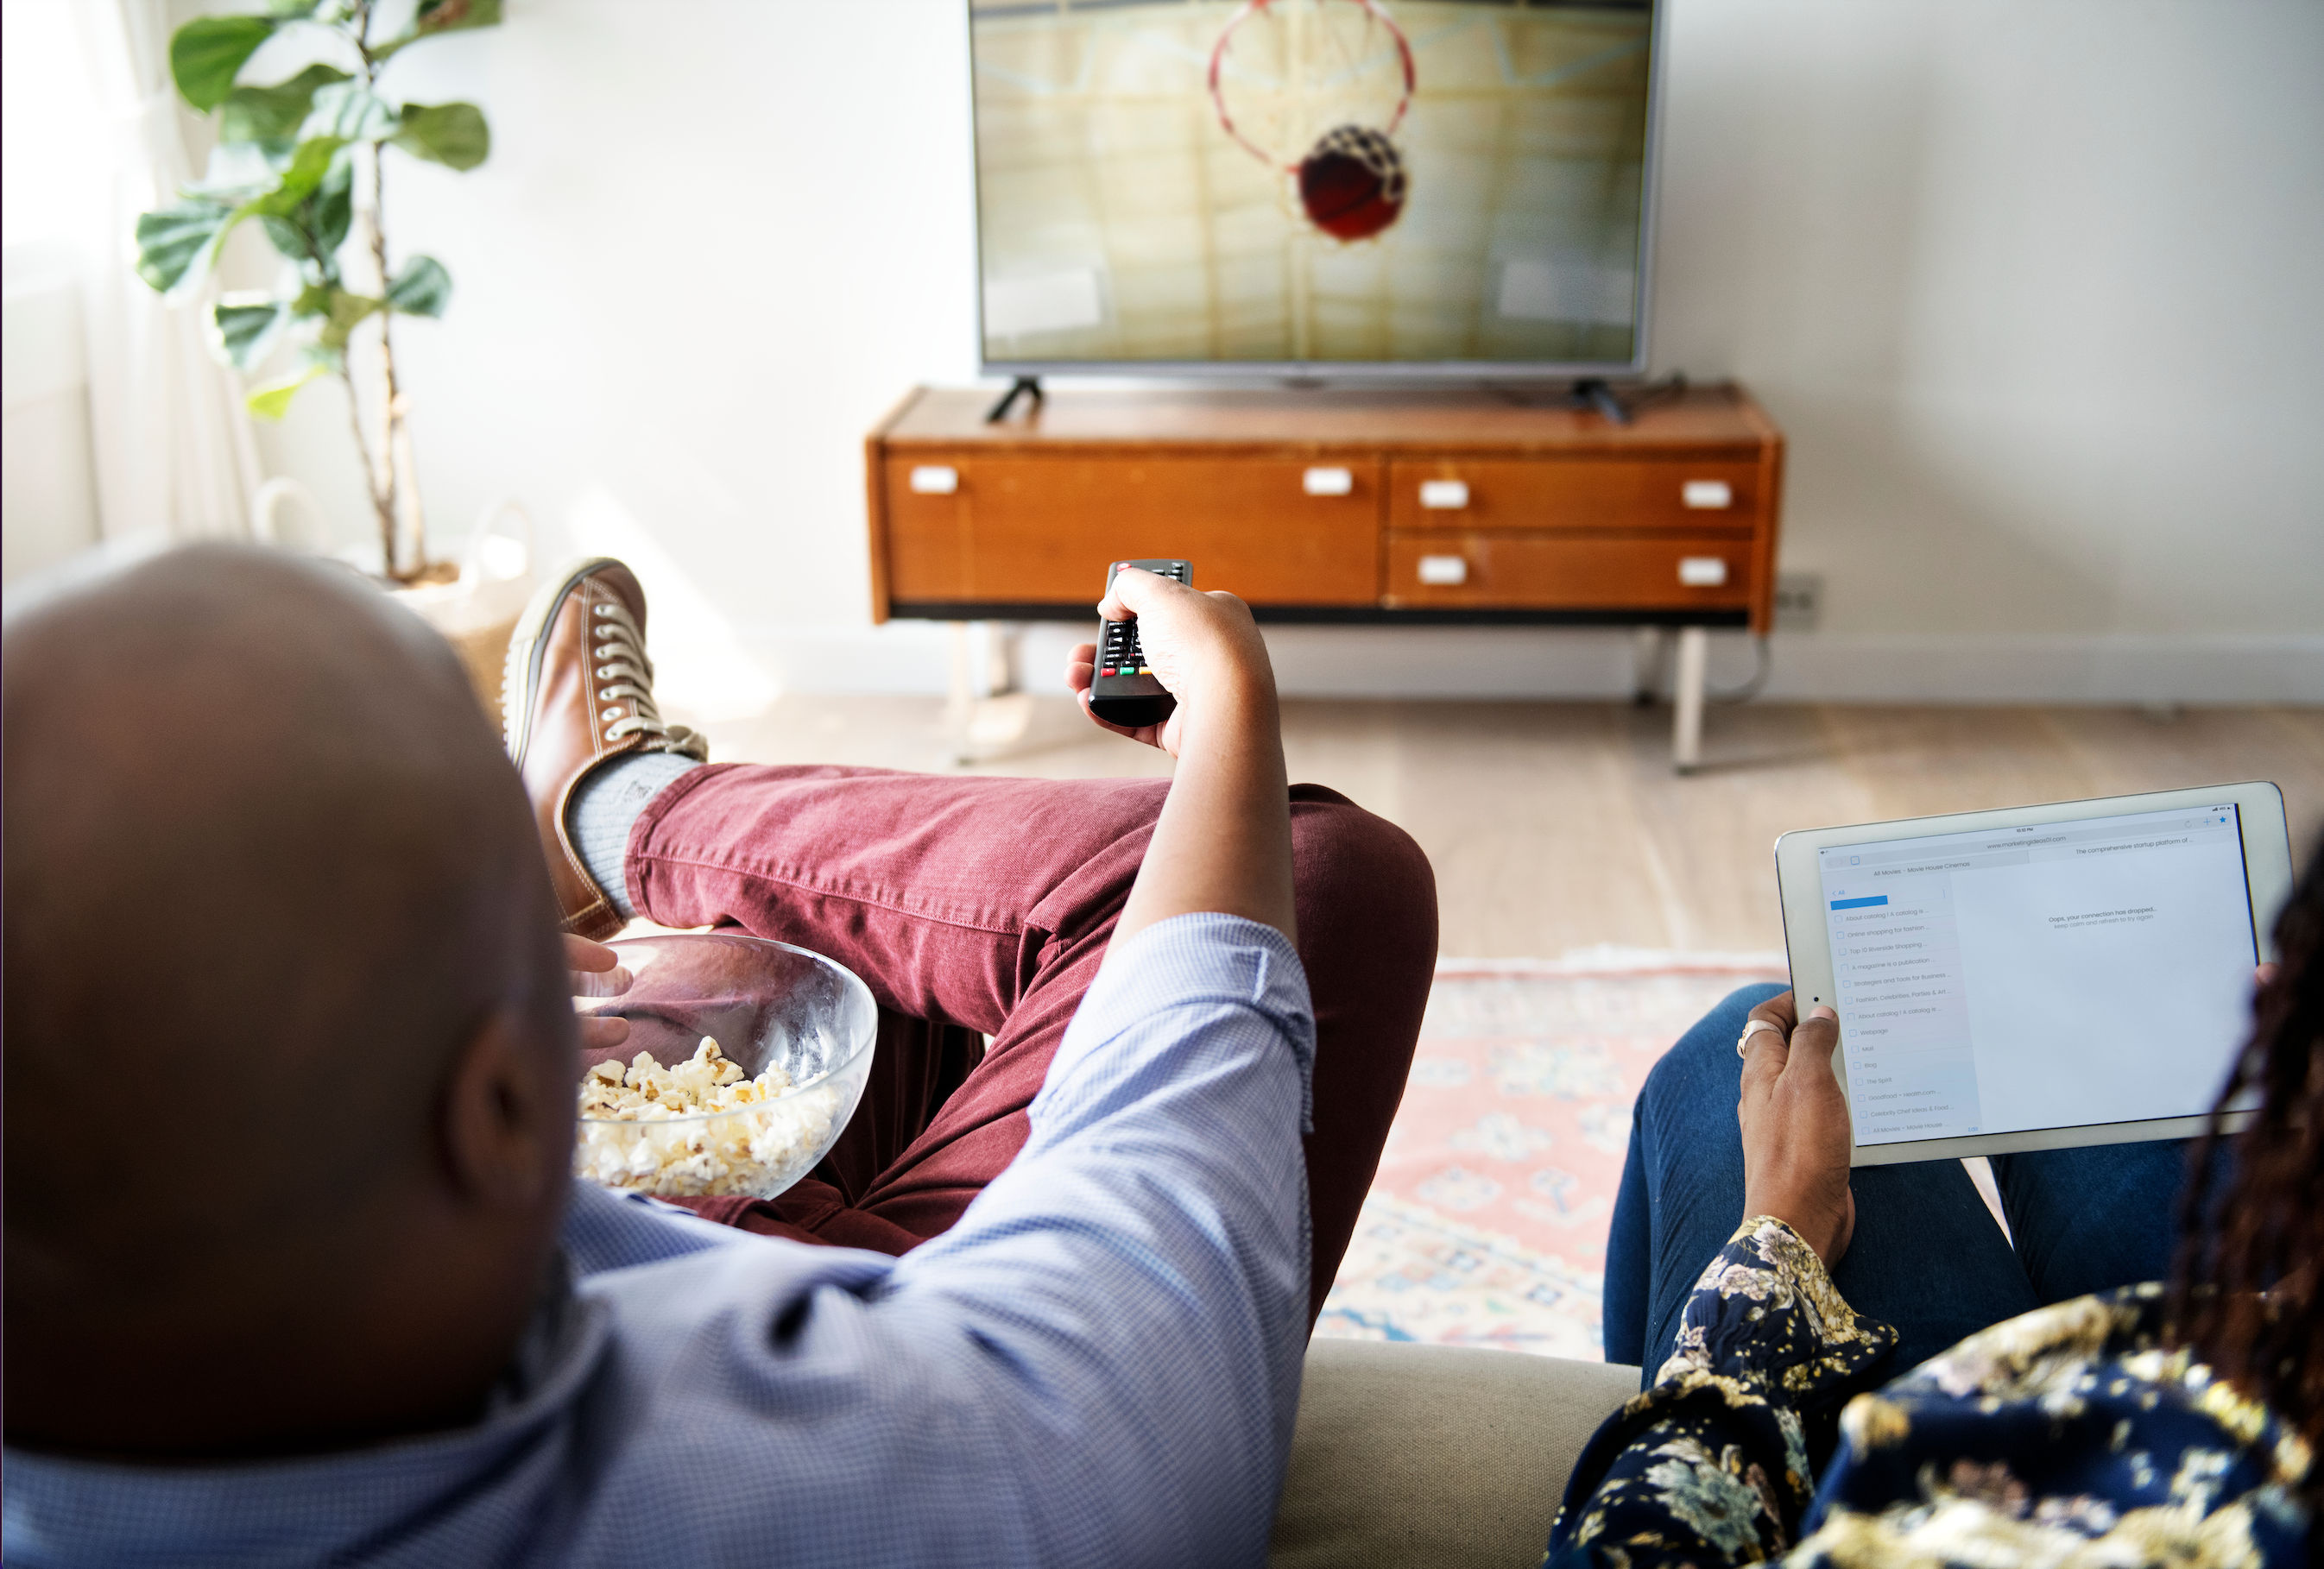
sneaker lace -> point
(623, 671)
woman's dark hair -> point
(2262, 1229)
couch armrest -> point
(1434, 1454)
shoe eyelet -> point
(606, 695)
(611, 713)
(604, 610)
(605, 672)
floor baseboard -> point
(906, 657)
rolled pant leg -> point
(979, 904)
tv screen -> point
(1446, 186)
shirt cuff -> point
(1194, 961)
(1765, 1309)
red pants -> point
(979, 906)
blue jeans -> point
(1926, 1256)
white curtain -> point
(174, 450)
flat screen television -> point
(1325, 188)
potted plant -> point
(306, 158)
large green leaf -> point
(422, 288)
(273, 400)
(331, 211)
(352, 112)
(452, 16)
(439, 16)
(247, 329)
(206, 53)
(273, 114)
(280, 209)
(454, 134)
(237, 171)
(310, 166)
(174, 244)
(290, 237)
(345, 311)
(306, 217)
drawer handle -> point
(1328, 481)
(934, 479)
(1444, 495)
(1443, 571)
(1701, 571)
(1708, 495)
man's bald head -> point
(269, 875)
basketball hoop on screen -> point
(1318, 88)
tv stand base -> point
(1023, 387)
(1593, 393)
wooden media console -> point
(1383, 509)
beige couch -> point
(1434, 1456)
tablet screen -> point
(2059, 975)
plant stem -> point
(379, 475)
(393, 491)
(392, 431)
(382, 503)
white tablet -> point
(2037, 978)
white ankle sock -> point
(605, 808)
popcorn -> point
(700, 1127)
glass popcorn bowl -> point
(799, 1027)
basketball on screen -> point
(1318, 88)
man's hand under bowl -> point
(597, 972)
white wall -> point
(48, 489)
(2030, 283)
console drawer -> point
(1518, 572)
(1466, 493)
(965, 526)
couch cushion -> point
(1434, 1454)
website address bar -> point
(1940, 851)
(2107, 849)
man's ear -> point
(508, 1115)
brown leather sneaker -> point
(578, 690)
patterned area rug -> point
(1487, 1225)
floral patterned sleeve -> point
(1711, 1465)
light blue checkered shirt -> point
(1100, 1362)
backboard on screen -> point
(1432, 187)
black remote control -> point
(1124, 691)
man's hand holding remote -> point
(1223, 841)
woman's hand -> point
(1795, 1127)
(597, 972)
(1203, 648)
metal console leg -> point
(985, 713)
(1648, 644)
(960, 701)
(1686, 722)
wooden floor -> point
(1557, 826)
